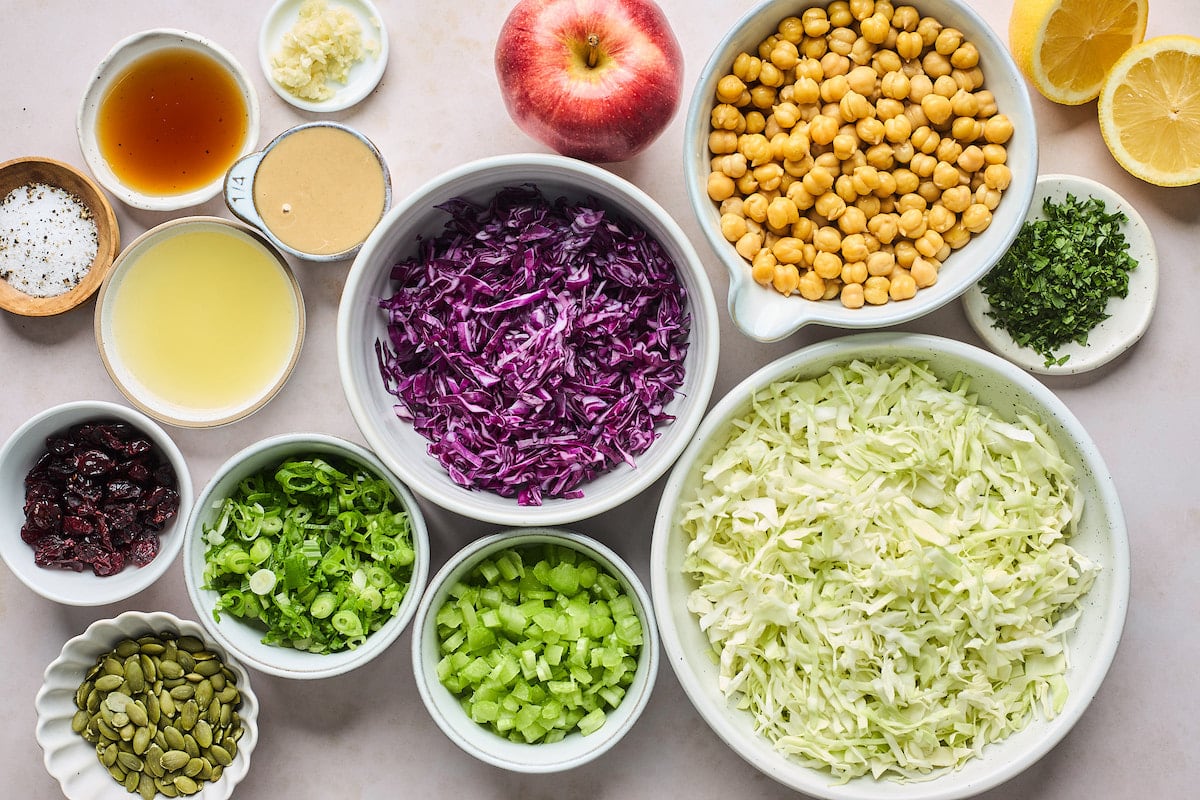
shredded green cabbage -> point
(882, 569)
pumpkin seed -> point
(217, 772)
(203, 733)
(81, 694)
(190, 644)
(221, 755)
(165, 787)
(193, 767)
(141, 740)
(79, 721)
(218, 681)
(174, 737)
(153, 709)
(112, 666)
(168, 703)
(173, 760)
(204, 693)
(135, 679)
(189, 744)
(119, 721)
(108, 682)
(137, 714)
(152, 648)
(126, 648)
(127, 730)
(153, 760)
(129, 761)
(105, 730)
(117, 773)
(109, 755)
(170, 669)
(188, 714)
(132, 780)
(208, 668)
(183, 691)
(146, 787)
(186, 662)
(185, 785)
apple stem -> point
(593, 42)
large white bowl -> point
(21, 452)
(479, 741)
(764, 314)
(70, 759)
(361, 323)
(126, 52)
(1100, 536)
(245, 639)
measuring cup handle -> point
(239, 188)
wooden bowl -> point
(32, 169)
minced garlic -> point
(323, 45)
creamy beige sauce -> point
(320, 190)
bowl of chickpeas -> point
(857, 163)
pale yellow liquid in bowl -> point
(206, 320)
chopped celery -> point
(541, 642)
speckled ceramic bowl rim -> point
(168, 413)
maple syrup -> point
(172, 122)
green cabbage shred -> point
(882, 568)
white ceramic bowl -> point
(1100, 536)
(22, 450)
(764, 314)
(68, 756)
(125, 53)
(133, 384)
(479, 741)
(1129, 316)
(364, 76)
(361, 324)
(245, 639)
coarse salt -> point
(48, 239)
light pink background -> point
(367, 735)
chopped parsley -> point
(1053, 284)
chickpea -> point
(929, 28)
(965, 57)
(763, 96)
(994, 154)
(733, 165)
(762, 268)
(830, 206)
(887, 186)
(729, 89)
(844, 145)
(988, 197)
(839, 14)
(964, 104)
(897, 129)
(929, 191)
(924, 273)
(827, 239)
(733, 227)
(925, 139)
(854, 247)
(800, 196)
(885, 227)
(791, 29)
(918, 87)
(726, 117)
(923, 164)
(929, 243)
(865, 179)
(768, 176)
(784, 55)
(936, 65)
(781, 213)
(937, 109)
(861, 52)
(854, 272)
(987, 104)
(902, 287)
(746, 67)
(749, 245)
(831, 163)
(912, 223)
(755, 122)
(834, 64)
(788, 250)
(966, 129)
(997, 176)
(862, 80)
(905, 18)
(971, 159)
(827, 265)
(852, 295)
(998, 129)
(817, 181)
(916, 117)
(875, 290)
(875, 28)
(881, 263)
(815, 22)
(945, 86)
(885, 61)
(813, 47)
(722, 142)
(939, 218)
(720, 186)
(957, 236)
(977, 218)
(909, 45)
(822, 129)
(786, 278)
(853, 221)
(803, 230)
(881, 156)
(755, 207)
(948, 150)
(895, 85)
(888, 108)
(812, 286)
(853, 106)
(945, 176)
(968, 79)
(870, 130)
(764, 47)
(843, 187)
(805, 90)
(906, 181)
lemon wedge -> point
(1150, 111)
(1065, 47)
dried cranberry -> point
(97, 498)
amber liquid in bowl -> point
(172, 122)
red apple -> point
(594, 79)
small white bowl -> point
(1129, 316)
(1100, 536)
(176, 411)
(125, 53)
(70, 759)
(21, 452)
(364, 76)
(245, 639)
(763, 313)
(477, 740)
(361, 324)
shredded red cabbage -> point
(535, 344)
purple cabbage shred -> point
(535, 345)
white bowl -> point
(1129, 316)
(123, 54)
(364, 76)
(245, 639)
(1100, 536)
(361, 324)
(764, 314)
(127, 379)
(22, 450)
(479, 741)
(70, 759)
